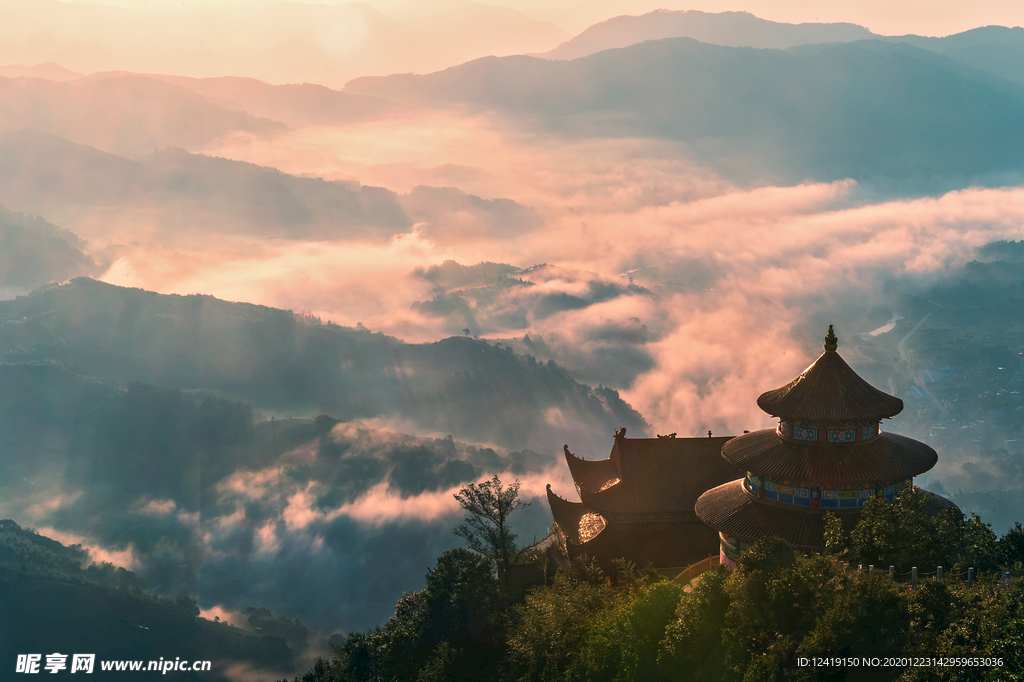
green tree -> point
(623, 646)
(486, 529)
(852, 614)
(912, 532)
(323, 670)
(693, 639)
(552, 625)
(768, 611)
(835, 538)
(451, 630)
(386, 653)
(981, 622)
(462, 618)
(1011, 545)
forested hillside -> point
(55, 599)
(284, 363)
(754, 623)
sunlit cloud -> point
(768, 259)
(225, 615)
(50, 505)
(125, 558)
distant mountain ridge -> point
(124, 114)
(995, 49)
(729, 29)
(294, 104)
(280, 362)
(49, 71)
(50, 176)
(74, 185)
(36, 252)
(895, 115)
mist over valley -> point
(261, 318)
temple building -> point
(638, 504)
(828, 454)
(675, 501)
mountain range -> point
(900, 115)
(995, 49)
(128, 115)
(158, 427)
(287, 364)
(730, 29)
(756, 100)
(174, 190)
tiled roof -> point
(662, 474)
(937, 503)
(590, 474)
(732, 511)
(888, 457)
(567, 515)
(829, 390)
(663, 544)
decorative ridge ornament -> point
(829, 391)
(831, 342)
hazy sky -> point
(332, 43)
(889, 17)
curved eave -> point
(589, 498)
(889, 457)
(663, 544)
(936, 502)
(567, 515)
(730, 510)
(602, 548)
(590, 474)
(829, 390)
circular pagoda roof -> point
(730, 510)
(888, 457)
(829, 390)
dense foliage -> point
(50, 603)
(753, 623)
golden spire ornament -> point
(831, 342)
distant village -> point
(968, 409)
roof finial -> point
(831, 342)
